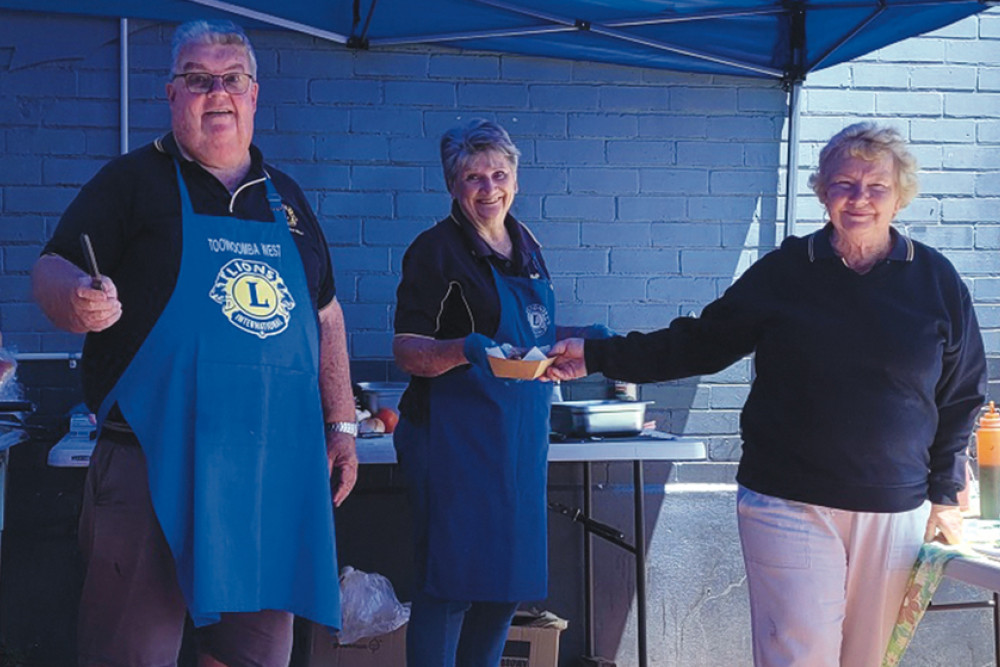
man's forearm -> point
(53, 281)
(334, 366)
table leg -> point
(638, 491)
(4, 458)
(996, 628)
(588, 565)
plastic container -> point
(988, 454)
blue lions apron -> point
(481, 465)
(223, 395)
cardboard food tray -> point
(519, 369)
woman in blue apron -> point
(473, 447)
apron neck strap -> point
(278, 211)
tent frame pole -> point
(792, 161)
(846, 38)
(123, 120)
(567, 24)
(271, 19)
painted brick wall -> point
(650, 190)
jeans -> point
(450, 633)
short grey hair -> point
(868, 141)
(211, 32)
(459, 144)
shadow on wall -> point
(696, 593)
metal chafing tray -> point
(375, 395)
(583, 418)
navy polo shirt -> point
(447, 289)
(818, 247)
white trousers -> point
(825, 584)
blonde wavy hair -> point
(868, 141)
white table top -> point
(984, 573)
(656, 446)
(983, 570)
(653, 447)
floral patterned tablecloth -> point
(981, 541)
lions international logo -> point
(538, 319)
(253, 297)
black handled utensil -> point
(609, 533)
(88, 256)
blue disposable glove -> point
(597, 331)
(475, 350)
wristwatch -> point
(350, 428)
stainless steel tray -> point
(375, 395)
(581, 418)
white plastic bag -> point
(368, 606)
(9, 388)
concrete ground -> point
(697, 594)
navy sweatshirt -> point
(866, 386)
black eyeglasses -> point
(199, 83)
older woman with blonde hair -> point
(869, 372)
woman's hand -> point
(944, 524)
(474, 348)
(569, 363)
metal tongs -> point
(91, 259)
(601, 529)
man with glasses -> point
(215, 360)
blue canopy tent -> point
(760, 38)
(782, 40)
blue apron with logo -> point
(223, 395)
(482, 466)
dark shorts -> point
(132, 611)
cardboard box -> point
(519, 369)
(526, 646)
(388, 650)
(529, 646)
